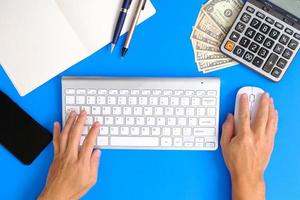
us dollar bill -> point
(203, 37)
(204, 55)
(204, 24)
(215, 68)
(204, 64)
(198, 45)
(223, 12)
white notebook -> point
(41, 38)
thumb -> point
(95, 160)
(227, 130)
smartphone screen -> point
(20, 134)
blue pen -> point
(120, 23)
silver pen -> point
(139, 8)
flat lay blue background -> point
(161, 47)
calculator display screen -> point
(291, 6)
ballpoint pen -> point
(139, 8)
(120, 23)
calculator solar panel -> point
(261, 41)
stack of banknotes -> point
(213, 22)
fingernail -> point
(96, 124)
(244, 96)
(267, 95)
(55, 124)
(83, 112)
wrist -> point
(248, 187)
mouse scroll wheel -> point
(252, 98)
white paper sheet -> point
(41, 38)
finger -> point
(75, 133)
(243, 115)
(65, 132)
(227, 130)
(95, 160)
(56, 135)
(262, 114)
(89, 142)
(272, 123)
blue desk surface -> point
(161, 47)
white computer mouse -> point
(254, 95)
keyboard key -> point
(276, 72)
(270, 20)
(259, 38)
(255, 23)
(135, 130)
(293, 44)
(278, 25)
(209, 101)
(250, 33)
(234, 36)
(244, 42)
(102, 141)
(297, 36)
(282, 63)
(284, 39)
(258, 62)
(70, 91)
(269, 43)
(248, 56)
(239, 51)
(287, 54)
(178, 142)
(250, 9)
(229, 46)
(245, 18)
(289, 31)
(204, 131)
(207, 121)
(80, 100)
(240, 27)
(80, 91)
(166, 141)
(263, 52)
(96, 110)
(270, 63)
(265, 28)
(253, 47)
(260, 15)
(278, 49)
(274, 34)
(70, 100)
(91, 100)
(145, 131)
(135, 141)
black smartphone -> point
(19, 133)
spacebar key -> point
(134, 141)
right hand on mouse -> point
(248, 147)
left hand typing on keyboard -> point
(74, 169)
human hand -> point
(74, 169)
(247, 147)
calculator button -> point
(240, 27)
(244, 42)
(250, 32)
(274, 34)
(229, 45)
(297, 36)
(270, 20)
(258, 62)
(282, 63)
(259, 38)
(289, 31)
(269, 43)
(253, 47)
(245, 18)
(278, 49)
(248, 56)
(278, 25)
(270, 63)
(276, 72)
(250, 9)
(293, 44)
(234, 36)
(239, 51)
(255, 23)
(260, 15)
(265, 28)
(287, 54)
(263, 52)
(284, 39)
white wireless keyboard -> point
(147, 113)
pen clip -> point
(144, 5)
